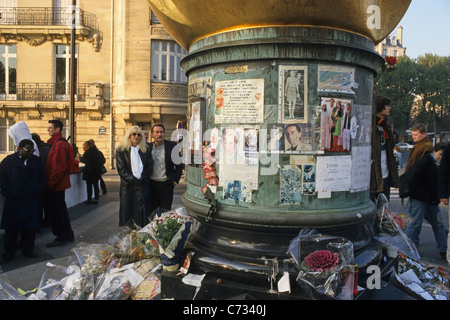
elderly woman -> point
(134, 165)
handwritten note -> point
(239, 101)
(361, 163)
(333, 173)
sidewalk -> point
(94, 224)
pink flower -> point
(322, 260)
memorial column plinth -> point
(268, 206)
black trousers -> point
(26, 242)
(56, 208)
(103, 186)
(92, 184)
(162, 194)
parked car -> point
(403, 146)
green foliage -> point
(422, 83)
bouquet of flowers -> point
(425, 282)
(325, 263)
(170, 231)
(389, 230)
(389, 63)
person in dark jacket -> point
(134, 165)
(166, 174)
(444, 188)
(383, 173)
(92, 172)
(22, 179)
(424, 200)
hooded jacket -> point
(20, 131)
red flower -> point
(322, 260)
(391, 60)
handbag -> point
(104, 169)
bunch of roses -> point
(392, 61)
(322, 260)
(389, 63)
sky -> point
(426, 28)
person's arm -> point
(57, 164)
(443, 177)
(122, 167)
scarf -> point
(382, 122)
(418, 151)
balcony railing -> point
(46, 17)
(40, 91)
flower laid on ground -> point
(322, 260)
(167, 226)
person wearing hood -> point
(22, 180)
(20, 131)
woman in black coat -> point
(22, 179)
(92, 172)
(134, 165)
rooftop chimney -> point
(400, 35)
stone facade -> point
(115, 88)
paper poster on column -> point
(360, 168)
(239, 101)
(333, 174)
(232, 160)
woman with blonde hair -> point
(134, 165)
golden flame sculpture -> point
(190, 20)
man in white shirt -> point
(166, 174)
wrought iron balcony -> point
(40, 91)
(36, 16)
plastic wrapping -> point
(389, 230)
(125, 268)
(7, 292)
(170, 230)
(326, 264)
(425, 282)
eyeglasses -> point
(136, 134)
(28, 150)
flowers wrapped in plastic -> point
(424, 282)
(389, 230)
(170, 230)
(326, 264)
(8, 292)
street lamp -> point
(73, 81)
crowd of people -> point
(33, 180)
(427, 175)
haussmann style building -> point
(127, 70)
